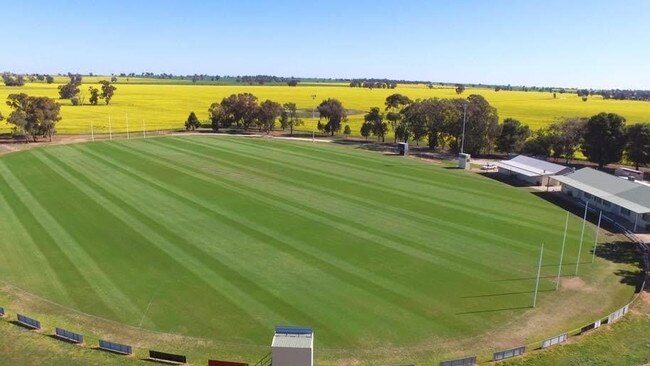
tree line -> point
(10, 79)
(603, 138)
(244, 111)
(438, 121)
(373, 84)
(72, 89)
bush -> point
(75, 101)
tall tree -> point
(49, 79)
(442, 114)
(366, 129)
(69, 90)
(566, 136)
(192, 122)
(604, 138)
(94, 95)
(240, 109)
(481, 127)
(376, 120)
(218, 117)
(346, 130)
(460, 88)
(513, 135)
(637, 147)
(108, 91)
(397, 101)
(292, 120)
(394, 104)
(332, 110)
(35, 116)
(267, 113)
(284, 120)
(415, 122)
(402, 132)
(13, 80)
(539, 144)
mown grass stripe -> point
(157, 235)
(25, 251)
(465, 271)
(495, 216)
(87, 267)
(331, 157)
(292, 207)
(278, 242)
(399, 214)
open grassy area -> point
(387, 258)
(622, 344)
(166, 104)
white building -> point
(530, 170)
(293, 346)
(621, 197)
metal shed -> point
(293, 346)
(534, 171)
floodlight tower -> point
(313, 116)
(462, 143)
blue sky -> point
(550, 43)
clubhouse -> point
(620, 197)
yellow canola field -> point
(166, 106)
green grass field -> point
(224, 238)
(166, 105)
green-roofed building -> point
(624, 198)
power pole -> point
(462, 143)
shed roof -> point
(292, 340)
(532, 167)
(630, 195)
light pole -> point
(582, 236)
(313, 116)
(462, 143)
(539, 271)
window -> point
(587, 195)
(625, 211)
(606, 203)
(646, 217)
(598, 200)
